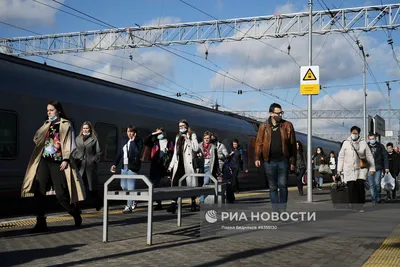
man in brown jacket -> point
(276, 148)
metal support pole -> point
(365, 96)
(309, 121)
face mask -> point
(88, 133)
(160, 136)
(182, 130)
(390, 151)
(53, 119)
(278, 118)
(372, 142)
(318, 152)
(354, 136)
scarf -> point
(206, 151)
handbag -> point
(324, 169)
(363, 162)
(198, 161)
(166, 159)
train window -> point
(108, 139)
(8, 134)
(143, 133)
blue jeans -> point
(277, 174)
(319, 180)
(374, 181)
(207, 170)
(128, 184)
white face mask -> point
(88, 133)
(354, 136)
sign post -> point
(309, 85)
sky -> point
(266, 74)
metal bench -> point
(152, 194)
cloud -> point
(271, 68)
(162, 21)
(285, 9)
(27, 12)
(350, 99)
(148, 67)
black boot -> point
(172, 208)
(77, 217)
(193, 207)
(159, 206)
(301, 193)
(41, 225)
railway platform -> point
(337, 237)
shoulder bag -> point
(363, 162)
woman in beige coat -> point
(54, 142)
(354, 150)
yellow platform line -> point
(388, 254)
(62, 218)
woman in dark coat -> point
(319, 159)
(300, 167)
(87, 155)
(160, 146)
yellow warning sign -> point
(309, 89)
(309, 76)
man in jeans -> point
(381, 163)
(276, 147)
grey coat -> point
(87, 155)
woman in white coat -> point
(354, 161)
(186, 145)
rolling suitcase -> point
(340, 194)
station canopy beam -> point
(325, 114)
(364, 19)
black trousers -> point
(235, 181)
(299, 180)
(51, 170)
(93, 194)
(356, 191)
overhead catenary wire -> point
(355, 41)
(208, 68)
(166, 50)
(211, 16)
(102, 73)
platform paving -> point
(335, 238)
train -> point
(27, 86)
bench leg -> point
(105, 220)
(149, 221)
(179, 211)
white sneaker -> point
(128, 209)
(134, 206)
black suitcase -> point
(340, 195)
